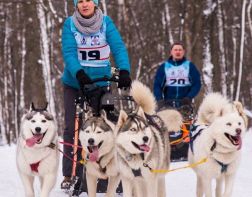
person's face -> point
(86, 8)
(177, 52)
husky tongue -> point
(94, 155)
(144, 148)
(240, 143)
(31, 141)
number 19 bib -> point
(93, 50)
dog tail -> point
(143, 97)
(214, 105)
(172, 119)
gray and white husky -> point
(36, 152)
(97, 139)
(217, 136)
(143, 145)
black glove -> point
(186, 101)
(82, 78)
(124, 79)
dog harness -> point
(34, 166)
(195, 132)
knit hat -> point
(95, 2)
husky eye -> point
(239, 123)
(99, 132)
(133, 129)
(33, 121)
(229, 124)
(87, 131)
(43, 121)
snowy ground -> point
(179, 183)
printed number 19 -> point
(90, 55)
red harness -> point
(34, 166)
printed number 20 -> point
(177, 81)
(90, 55)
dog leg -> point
(161, 187)
(199, 187)
(207, 186)
(127, 187)
(112, 185)
(28, 185)
(49, 181)
(229, 182)
(152, 187)
(139, 188)
(91, 185)
(219, 184)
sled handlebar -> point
(114, 78)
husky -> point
(97, 139)
(142, 145)
(217, 137)
(36, 151)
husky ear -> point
(103, 114)
(46, 106)
(240, 109)
(140, 112)
(122, 118)
(88, 114)
(32, 107)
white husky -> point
(220, 142)
(143, 145)
(36, 151)
(98, 140)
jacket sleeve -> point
(117, 46)
(195, 81)
(159, 81)
(69, 49)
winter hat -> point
(95, 2)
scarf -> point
(88, 25)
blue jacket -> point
(72, 64)
(162, 91)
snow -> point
(179, 183)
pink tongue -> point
(240, 143)
(31, 141)
(144, 147)
(94, 155)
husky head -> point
(133, 132)
(38, 127)
(228, 131)
(96, 136)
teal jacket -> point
(72, 64)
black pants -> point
(70, 94)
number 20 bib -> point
(177, 75)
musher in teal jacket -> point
(88, 38)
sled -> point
(179, 140)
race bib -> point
(177, 75)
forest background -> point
(217, 35)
